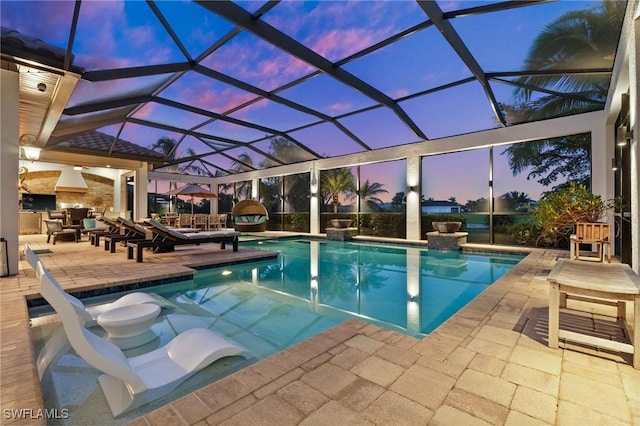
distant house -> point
(440, 206)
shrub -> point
(558, 212)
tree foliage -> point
(558, 212)
(548, 160)
(334, 182)
(584, 39)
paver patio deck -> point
(489, 364)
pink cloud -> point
(398, 93)
(341, 43)
(146, 111)
(339, 107)
(108, 39)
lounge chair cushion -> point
(93, 225)
(251, 219)
(208, 234)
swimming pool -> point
(268, 305)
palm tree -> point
(369, 194)
(243, 163)
(334, 182)
(511, 201)
(578, 39)
(168, 147)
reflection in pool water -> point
(269, 305)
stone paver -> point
(447, 415)
(269, 411)
(424, 386)
(393, 409)
(486, 386)
(378, 371)
(599, 397)
(335, 414)
(535, 404)
(531, 378)
(360, 394)
(516, 418)
(487, 365)
(572, 414)
(329, 379)
(303, 397)
(477, 406)
(542, 358)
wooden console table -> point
(597, 283)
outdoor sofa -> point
(250, 216)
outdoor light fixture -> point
(314, 180)
(624, 135)
(615, 164)
(30, 151)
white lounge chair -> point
(91, 313)
(129, 383)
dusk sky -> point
(119, 34)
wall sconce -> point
(314, 180)
(615, 164)
(624, 134)
(30, 151)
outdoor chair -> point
(129, 383)
(76, 215)
(597, 234)
(57, 214)
(165, 239)
(213, 222)
(127, 321)
(200, 221)
(56, 230)
(129, 231)
(185, 221)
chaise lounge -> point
(165, 239)
(129, 383)
(112, 228)
(129, 231)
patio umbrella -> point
(193, 191)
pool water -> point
(408, 289)
(269, 305)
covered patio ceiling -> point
(216, 88)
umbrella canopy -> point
(192, 191)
